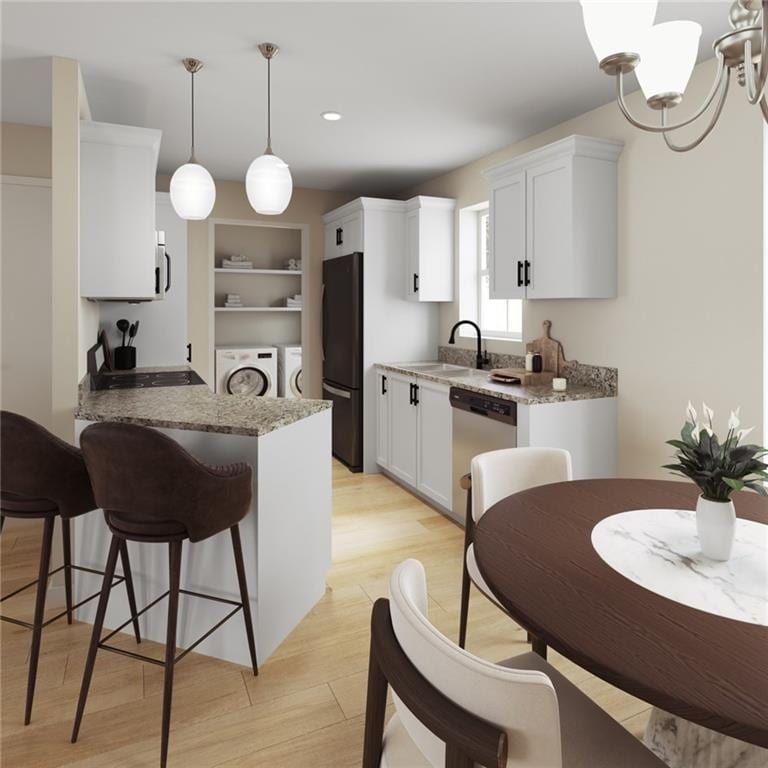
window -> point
(497, 318)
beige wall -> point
(306, 208)
(688, 319)
(25, 150)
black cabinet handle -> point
(410, 396)
(415, 283)
(415, 394)
(519, 274)
(168, 272)
(527, 272)
(339, 235)
(383, 385)
(189, 352)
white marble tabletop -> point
(659, 550)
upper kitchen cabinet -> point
(343, 233)
(553, 215)
(429, 248)
(118, 242)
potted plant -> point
(719, 468)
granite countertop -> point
(195, 408)
(478, 381)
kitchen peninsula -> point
(286, 537)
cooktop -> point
(146, 379)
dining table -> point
(607, 573)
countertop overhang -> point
(479, 382)
(195, 407)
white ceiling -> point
(423, 87)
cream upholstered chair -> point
(494, 476)
(456, 710)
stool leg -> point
(67, 542)
(174, 552)
(2, 522)
(240, 567)
(129, 587)
(101, 610)
(538, 646)
(37, 623)
(469, 525)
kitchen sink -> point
(442, 368)
(464, 372)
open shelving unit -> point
(263, 320)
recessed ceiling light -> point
(331, 115)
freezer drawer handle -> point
(336, 391)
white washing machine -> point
(289, 370)
(246, 371)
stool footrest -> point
(142, 657)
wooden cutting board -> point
(551, 351)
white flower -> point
(733, 421)
(709, 415)
(695, 432)
(743, 433)
(690, 413)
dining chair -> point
(44, 478)
(456, 710)
(494, 476)
(153, 491)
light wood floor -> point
(306, 706)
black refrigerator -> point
(343, 355)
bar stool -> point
(44, 478)
(152, 490)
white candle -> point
(559, 385)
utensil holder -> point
(125, 358)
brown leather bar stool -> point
(152, 490)
(44, 478)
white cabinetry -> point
(553, 215)
(414, 433)
(344, 235)
(118, 255)
(429, 248)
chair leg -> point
(538, 646)
(174, 551)
(101, 610)
(67, 542)
(129, 587)
(240, 567)
(37, 623)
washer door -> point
(247, 380)
(296, 383)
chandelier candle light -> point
(268, 183)
(624, 38)
(193, 192)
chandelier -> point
(625, 39)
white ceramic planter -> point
(716, 526)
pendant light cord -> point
(192, 154)
(269, 107)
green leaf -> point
(731, 482)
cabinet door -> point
(507, 241)
(331, 249)
(412, 255)
(351, 234)
(435, 456)
(549, 229)
(402, 428)
(382, 419)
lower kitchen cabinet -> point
(414, 433)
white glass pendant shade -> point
(667, 57)
(617, 26)
(193, 192)
(269, 185)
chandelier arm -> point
(707, 131)
(661, 129)
(756, 83)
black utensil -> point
(122, 326)
(132, 331)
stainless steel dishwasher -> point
(480, 423)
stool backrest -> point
(140, 475)
(498, 474)
(36, 464)
(521, 703)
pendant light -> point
(193, 191)
(268, 183)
